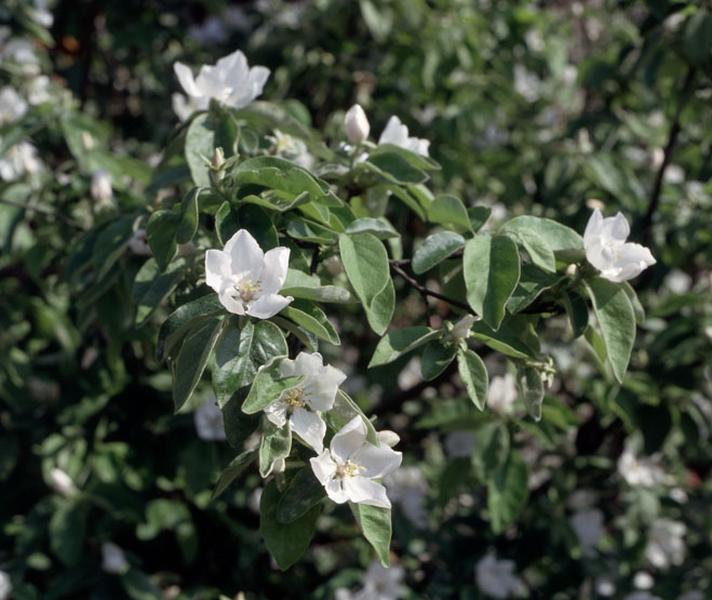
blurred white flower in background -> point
(605, 586)
(497, 578)
(61, 483)
(100, 187)
(408, 488)
(379, 583)
(12, 105)
(138, 243)
(356, 124)
(397, 133)
(526, 83)
(502, 394)
(678, 282)
(21, 159)
(183, 106)
(666, 544)
(643, 580)
(606, 248)
(38, 90)
(113, 559)
(5, 586)
(246, 279)
(588, 527)
(40, 13)
(640, 471)
(20, 54)
(349, 468)
(209, 423)
(230, 81)
(291, 148)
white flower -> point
(209, 422)
(606, 248)
(381, 583)
(291, 148)
(246, 279)
(588, 527)
(38, 90)
(459, 444)
(397, 134)
(643, 581)
(12, 106)
(61, 482)
(303, 406)
(496, 577)
(666, 544)
(19, 160)
(407, 487)
(502, 394)
(101, 190)
(640, 471)
(113, 560)
(526, 83)
(356, 124)
(351, 464)
(40, 13)
(21, 53)
(230, 81)
(138, 244)
(461, 329)
(605, 586)
(183, 106)
(5, 586)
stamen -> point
(348, 469)
(247, 289)
(295, 398)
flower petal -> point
(395, 133)
(276, 413)
(349, 439)
(268, 306)
(365, 491)
(593, 228)
(236, 307)
(185, 78)
(310, 427)
(274, 272)
(336, 492)
(246, 255)
(323, 466)
(320, 390)
(376, 461)
(217, 269)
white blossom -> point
(19, 160)
(666, 544)
(113, 559)
(40, 13)
(12, 105)
(356, 124)
(408, 488)
(183, 106)
(379, 583)
(38, 90)
(61, 482)
(397, 133)
(138, 243)
(461, 329)
(588, 527)
(230, 81)
(643, 581)
(209, 422)
(246, 279)
(606, 248)
(291, 148)
(526, 83)
(20, 53)
(349, 468)
(100, 188)
(502, 394)
(302, 406)
(640, 471)
(605, 586)
(5, 586)
(497, 578)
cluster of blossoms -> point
(395, 133)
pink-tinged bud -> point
(356, 124)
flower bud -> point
(138, 244)
(218, 159)
(101, 187)
(61, 482)
(356, 124)
(113, 559)
(461, 329)
(571, 270)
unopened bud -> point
(218, 159)
(87, 140)
(356, 124)
(388, 438)
(61, 482)
(461, 329)
(571, 270)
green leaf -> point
(226, 222)
(416, 160)
(566, 244)
(138, 586)
(491, 270)
(507, 492)
(634, 302)
(532, 283)
(199, 148)
(577, 311)
(66, 532)
(188, 224)
(395, 168)
(313, 319)
(474, 375)
(696, 39)
(366, 263)
(151, 287)
(436, 357)
(436, 248)
(396, 343)
(537, 248)
(478, 216)
(375, 524)
(240, 353)
(268, 386)
(514, 338)
(111, 244)
(301, 495)
(449, 211)
(277, 174)
(532, 387)
(379, 227)
(192, 359)
(492, 449)
(275, 445)
(236, 467)
(161, 236)
(309, 231)
(616, 320)
(185, 317)
(286, 542)
(308, 287)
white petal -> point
(257, 78)
(236, 307)
(277, 413)
(181, 106)
(388, 437)
(376, 462)
(336, 492)
(324, 467)
(217, 269)
(268, 306)
(365, 491)
(274, 272)
(395, 132)
(246, 255)
(321, 390)
(185, 78)
(310, 427)
(593, 228)
(308, 364)
(620, 230)
(349, 439)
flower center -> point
(294, 398)
(347, 469)
(247, 289)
